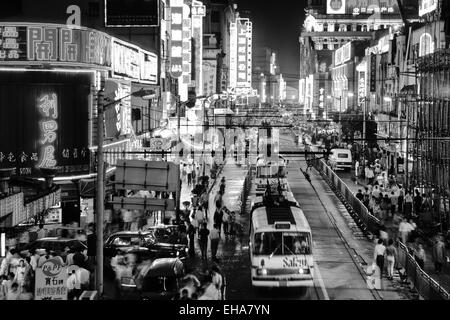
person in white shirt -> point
(127, 217)
(404, 229)
(34, 260)
(214, 236)
(378, 255)
(217, 280)
(82, 281)
(42, 233)
(71, 285)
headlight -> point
(303, 271)
(186, 250)
(261, 272)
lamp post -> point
(147, 95)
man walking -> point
(203, 240)
(190, 230)
(438, 254)
(214, 236)
(378, 255)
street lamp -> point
(144, 94)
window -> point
(426, 45)
(281, 243)
(342, 155)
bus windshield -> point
(270, 172)
(281, 243)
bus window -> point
(268, 243)
(297, 243)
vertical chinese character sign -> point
(233, 54)
(187, 45)
(50, 283)
(244, 53)
(48, 108)
(176, 39)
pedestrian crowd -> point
(18, 271)
(212, 286)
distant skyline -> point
(277, 25)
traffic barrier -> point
(361, 215)
(426, 286)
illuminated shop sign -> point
(187, 45)
(244, 53)
(362, 87)
(56, 126)
(149, 67)
(427, 6)
(126, 61)
(176, 39)
(132, 13)
(48, 108)
(54, 43)
(357, 7)
(118, 119)
(233, 55)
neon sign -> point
(176, 41)
(244, 53)
(48, 107)
(126, 61)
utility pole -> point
(100, 196)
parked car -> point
(160, 279)
(341, 159)
(144, 242)
(168, 234)
(55, 244)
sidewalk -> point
(444, 278)
(235, 177)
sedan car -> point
(56, 244)
(160, 279)
(144, 242)
(168, 234)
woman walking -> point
(203, 240)
(391, 255)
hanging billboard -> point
(176, 39)
(356, 7)
(53, 43)
(427, 6)
(131, 13)
(48, 125)
(244, 53)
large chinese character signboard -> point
(54, 44)
(44, 120)
(357, 7)
(13, 43)
(187, 45)
(244, 53)
(373, 73)
(51, 281)
(176, 39)
(131, 13)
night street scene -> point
(225, 150)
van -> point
(341, 159)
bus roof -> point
(264, 219)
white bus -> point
(280, 243)
(272, 171)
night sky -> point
(277, 24)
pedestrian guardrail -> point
(242, 202)
(366, 221)
(426, 286)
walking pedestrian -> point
(356, 171)
(226, 222)
(408, 205)
(214, 236)
(205, 203)
(404, 229)
(359, 195)
(127, 217)
(438, 254)
(190, 230)
(401, 199)
(218, 199)
(222, 185)
(199, 217)
(420, 256)
(189, 174)
(218, 218)
(203, 240)
(379, 252)
(394, 202)
(391, 257)
(417, 203)
(184, 172)
(217, 280)
(21, 273)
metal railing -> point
(426, 286)
(242, 202)
(366, 221)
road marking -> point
(321, 283)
